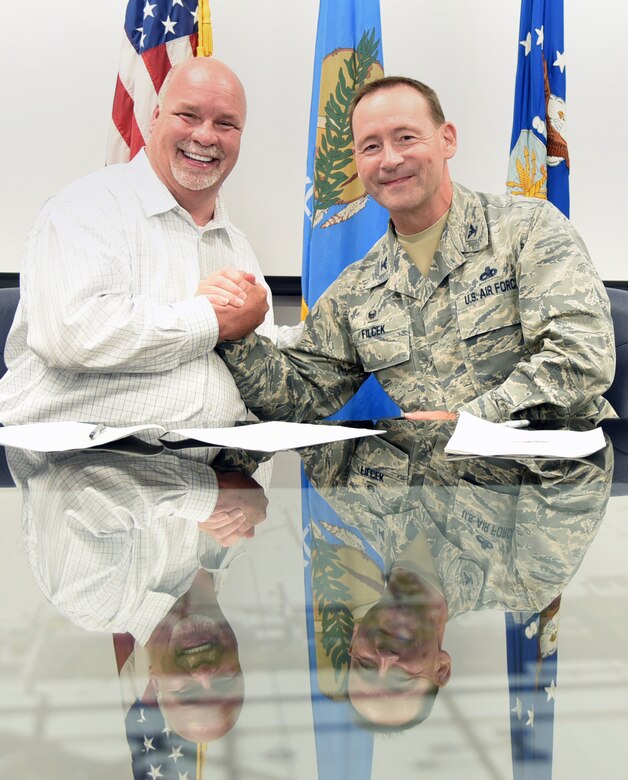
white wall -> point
(57, 78)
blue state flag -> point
(341, 221)
(539, 158)
(338, 561)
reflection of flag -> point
(539, 159)
(344, 751)
(538, 167)
(158, 35)
(532, 670)
(341, 222)
(156, 750)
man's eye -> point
(185, 115)
(370, 149)
(189, 692)
(364, 664)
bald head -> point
(195, 132)
(200, 68)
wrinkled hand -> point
(240, 507)
(430, 415)
(234, 322)
(225, 287)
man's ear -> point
(153, 679)
(154, 118)
(449, 135)
(356, 626)
(443, 670)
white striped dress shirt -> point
(113, 540)
(108, 328)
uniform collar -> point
(156, 198)
(466, 232)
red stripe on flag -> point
(157, 64)
(122, 112)
(137, 139)
(123, 645)
(124, 119)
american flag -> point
(158, 35)
(157, 752)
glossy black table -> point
(104, 562)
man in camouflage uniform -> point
(487, 303)
(454, 536)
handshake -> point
(241, 505)
(239, 301)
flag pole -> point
(205, 46)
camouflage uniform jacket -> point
(503, 534)
(512, 321)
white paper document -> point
(272, 436)
(263, 437)
(473, 436)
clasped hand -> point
(240, 302)
(241, 505)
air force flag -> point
(539, 159)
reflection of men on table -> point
(454, 536)
(132, 273)
(487, 303)
(138, 547)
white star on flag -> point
(177, 2)
(148, 745)
(518, 708)
(183, 776)
(527, 43)
(155, 772)
(140, 30)
(176, 754)
(560, 61)
(148, 9)
(550, 690)
(540, 35)
(195, 15)
(530, 720)
(166, 731)
(142, 717)
(169, 25)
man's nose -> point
(386, 652)
(205, 134)
(386, 658)
(391, 158)
(204, 676)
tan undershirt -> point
(422, 246)
(417, 558)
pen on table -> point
(97, 431)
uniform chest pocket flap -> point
(382, 342)
(481, 315)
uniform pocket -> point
(486, 314)
(382, 342)
(485, 518)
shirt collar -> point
(156, 198)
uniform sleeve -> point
(312, 380)
(83, 313)
(558, 517)
(566, 324)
